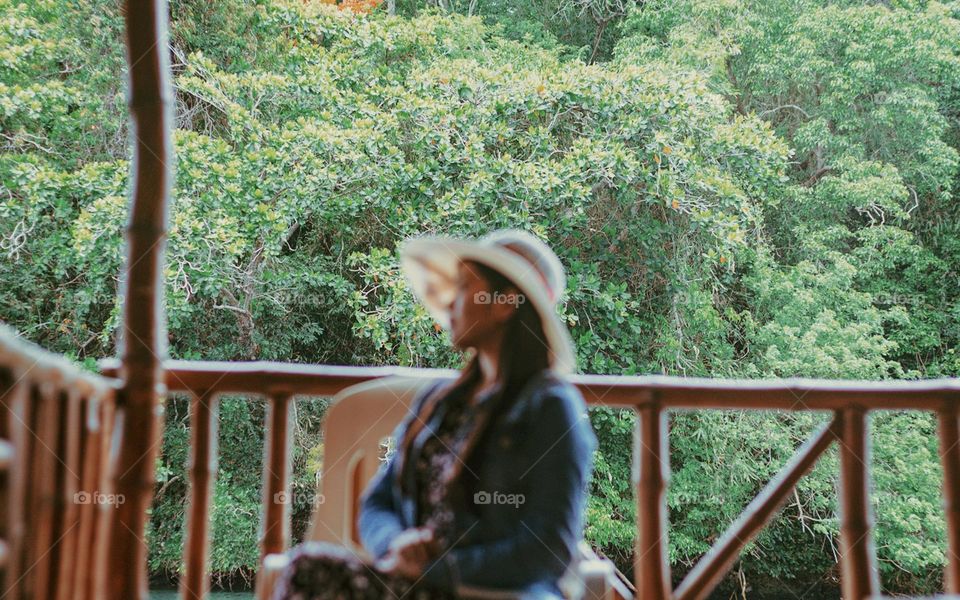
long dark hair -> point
(523, 354)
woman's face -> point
(475, 318)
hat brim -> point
(430, 264)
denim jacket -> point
(533, 488)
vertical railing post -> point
(6, 459)
(857, 558)
(650, 473)
(91, 443)
(143, 338)
(71, 469)
(275, 521)
(17, 401)
(275, 525)
(110, 429)
(42, 489)
(950, 459)
(202, 466)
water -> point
(173, 595)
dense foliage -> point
(752, 189)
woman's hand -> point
(409, 553)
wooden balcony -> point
(64, 431)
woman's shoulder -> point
(557, 407)
(551, 380)
(552, 387)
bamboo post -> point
(6, 455)
(16, 399)
(713, 566)
(949, 426)
(275, 524)
(6, 461)
(202, 466)
(104, 515)
(651, 471)
(42, 503)
(858, 569)
(90, 444)
(276, 478)
(71, 492)
(143, 337)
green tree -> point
(757, 189)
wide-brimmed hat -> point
(431, 262)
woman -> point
(487, 487)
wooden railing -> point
(57, 463)
(652, 397)
(56, 499)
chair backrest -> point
(357, 421)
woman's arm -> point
(379, 520)
(559, 459)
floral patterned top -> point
(437, 455)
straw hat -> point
(430, 264)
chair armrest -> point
(595, 575)
(273, 565)
(598, 578)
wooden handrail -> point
(20, 356)
(651, 396)
(851, 400)
(265, 377)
